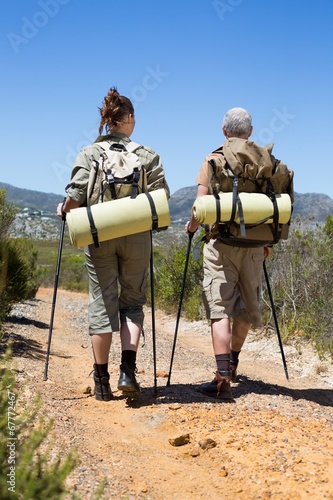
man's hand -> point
(188, 228)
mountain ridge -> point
(316, 206)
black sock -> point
(101, 370)
(223, 362)
(234, 357)
(129, 357)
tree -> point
(18, 262)
(8, 213)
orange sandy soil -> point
(274, 442)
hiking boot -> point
(127, 382)
(219, 387)
(102, 388)
(233, 370)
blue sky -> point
(183, 63)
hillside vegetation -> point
(315, 205)
(300, 268)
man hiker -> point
(232, 274)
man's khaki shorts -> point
(232, 279)
(118, 273)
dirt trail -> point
(274, 442)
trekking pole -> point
(56, 279)
(276, 321)
(153, 310)
(190, 236)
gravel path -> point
(274, 442)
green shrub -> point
(18, 276)
(8, 213)
(73, 273)
(301, 273)
(25, 447)
(169, 280)
(18, 262)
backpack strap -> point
(111, 184)
(154, 215)
(214, 182)
(271, 194)
(135, 183)
(93, 228)
(236, 202)
(131, 148)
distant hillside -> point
(317, 206)
(37, 215)
(34, 200)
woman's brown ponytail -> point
(114, 110)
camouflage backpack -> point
(118, 173)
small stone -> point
(223, 472)
(85, 389)
(195, 452)
(180, 440)
(206, 444)
(175, 407)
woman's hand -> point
(67, 205)
(60, 209)
(267, 252)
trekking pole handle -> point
(62, 210)
(190, 233)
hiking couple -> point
(118, 269)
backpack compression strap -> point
(214, 182)
(111, 183)
(93, 228)
(271, 193)
(154, 215)
(135, 183)
(236, 201)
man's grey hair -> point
(237, 122)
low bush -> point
(18, 273)
(301, 273)
(28, 472)
(169, 278)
